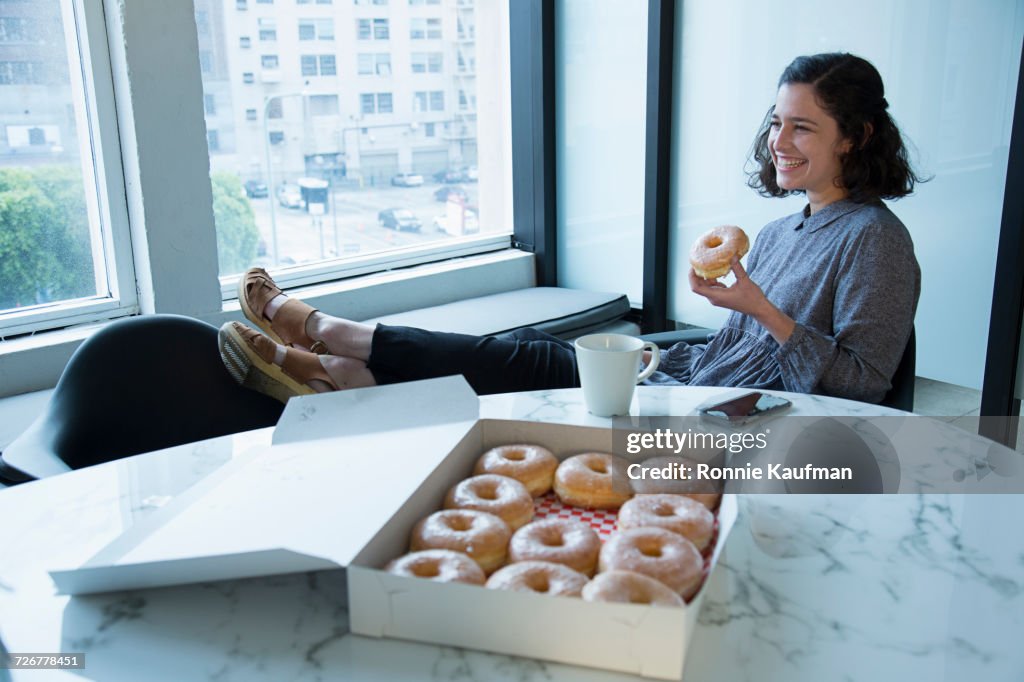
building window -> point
(323, 105)
(414, 3)
(269, 61)
(209, 105)
(21, 73)
(275, 137)
(428, 101)
(212, 140)
(250, 114)
(373, 64)
(376, 103)
(318, 65)
(324, 2)
(248, 78)
(372, 29)
(268, 29)
(428, 130)
(264, 2)
(427, 62)
(316, 29)
(370, 2)
(202, 24)
(206, 61)
(244, 42)
(274, 108)
(241, 5)
(421, 28)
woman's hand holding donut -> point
(746, 297)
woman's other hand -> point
(744, 296)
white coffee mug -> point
(608, 365)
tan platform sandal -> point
(255, 289)
(249, 358)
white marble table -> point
(893, 587)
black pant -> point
(523, 360)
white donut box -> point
(347, 477)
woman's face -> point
(805, 145)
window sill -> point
(33, 363)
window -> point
(378, 64)
(64, 246)
(428, 101)
(426, 62)
(375, 103)
(206, 61)
(324, 2)
(202, 23)
(268, 29)
(264, 2)
(357, 102)
(318, 65)
(323, 105)
(372, 29)
(241, 5)
(413, 3)
(269, 61)
(421, 28)
(244, 42)
(209, 105)
(212, 140)
(248, 78)
(370, 2)
(316, 29)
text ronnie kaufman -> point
(706, 472)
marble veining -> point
(921, 585)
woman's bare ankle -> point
(343, 337)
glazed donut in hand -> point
(561, 541)
(675, 513)
(711, 255)
(441, 565)
(657, 553)
(531, 465)
(586, 481)
(484, 537)
(498, 495)
(708, 493)
(539, 576)
(627, 587)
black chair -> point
(139, 384)
(900, 396)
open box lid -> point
(340, 467)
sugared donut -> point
(675, 513)
(708, 493)
(539, 576)
(627, 587)
(561, 541)
(531, 465)
(657, 553)
(484, 537)
(498, 495)
(586, 481)
(711, 255)
(441, 565)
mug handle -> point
(655, 359)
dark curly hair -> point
(850, 89)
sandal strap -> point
(290, 324)
(259, 289)
(303, 367)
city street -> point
(354, 228)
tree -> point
(44, 236)
(237, 235)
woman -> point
(827, 306)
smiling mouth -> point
(788, 164)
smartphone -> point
(745, 408)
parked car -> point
(399, 219)
(407, 180)
(470, 224)
(289, 195)
(447, 192)
(256, 189)
(469, 173)
(448, 176)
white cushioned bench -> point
(565, 313)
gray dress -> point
(848, 276)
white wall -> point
(600, 94)
(950, 70)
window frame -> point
(98, 137)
